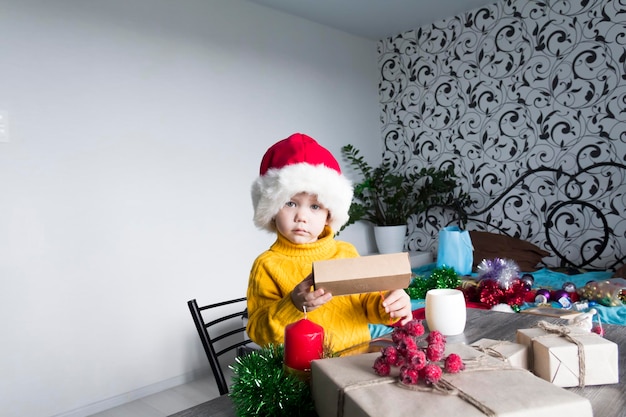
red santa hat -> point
(295, 165)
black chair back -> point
(224, 328)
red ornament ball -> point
(432, 373)
(390, 355)
(418, 360)
(409, 375)
(414, 328)
(435, 351)
(381, 367)
(453, 364)
(598, 329)
(435, 337)
(407, 347)
(399, 334)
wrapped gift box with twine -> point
(570, 357)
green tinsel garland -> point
(441, 277)
(262, 388)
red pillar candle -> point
(304, 342)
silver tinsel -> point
(503, 271)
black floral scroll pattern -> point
(527, 99)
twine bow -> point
(491, 350)
(443, 386)
(565, 332)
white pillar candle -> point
(445, 311)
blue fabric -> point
(544, 278)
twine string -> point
(445, 387)
(564, 332)
(491, 350)
(341, 398)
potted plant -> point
(388, 197)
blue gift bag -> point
(455, 250)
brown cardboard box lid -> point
(363, 274)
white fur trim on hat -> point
(271, 191)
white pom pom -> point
(504, 308)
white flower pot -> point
(390, 239)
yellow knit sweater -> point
(278, 270)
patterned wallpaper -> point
(527, 99)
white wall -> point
(136, 129)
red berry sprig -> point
(417, 363)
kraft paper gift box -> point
(363, 274)
(510, 392)
(556, 359)
(515, 354)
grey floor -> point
(167, 402)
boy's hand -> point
(302, 296)
(398, 304)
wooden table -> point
(606, 400)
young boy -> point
(302, 196)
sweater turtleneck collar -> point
(325, 246)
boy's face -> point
(302, 219)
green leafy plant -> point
(386, 197)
